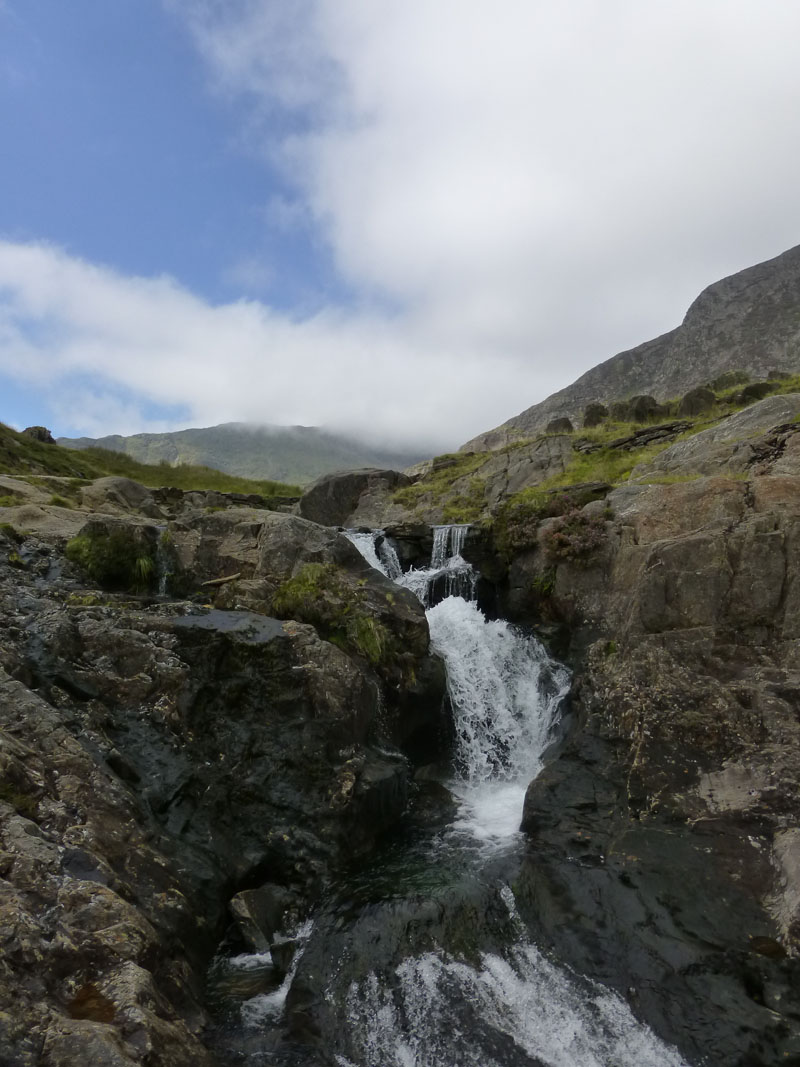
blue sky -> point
(117, 149)
(401, 219)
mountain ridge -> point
(748, 321)
(295, 454)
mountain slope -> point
(26, 457)
(749, 321)
(296, 454)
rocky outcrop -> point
(734, 445)
(334, 499)
(171, 771)
(664, 839)
(746, 322)
(471, 484)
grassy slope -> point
(604, 465)
(20, 455)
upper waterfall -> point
(504, 689)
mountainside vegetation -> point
(21, 454)
(295, 454)
(461, 487)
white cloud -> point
(529, 187)
(65, 323)
(544, 179)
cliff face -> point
(749, 322)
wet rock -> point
(169, 757)
(260, 914)
(663, 839)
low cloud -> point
(81, 333)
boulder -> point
(333, 498)
(637, 409)
(696, 401)
(594, 414)
(755, 391)
(114, 495)
(561, 425)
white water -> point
(520, 1008)
(505, 693)
(543, 1013)
(447, 565)
(504, 689)
(267, 1007)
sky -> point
(403, 219)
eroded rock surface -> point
(162, 759)
(664, 839)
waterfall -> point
(448, 573)
(162, 561)
(399, 986)
(504, 689)
(377, 550)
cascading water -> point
(421, 958)
(449, 574)
(506, 1006)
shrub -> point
(11, 532)
(122, 558)
(517, 525)
(574, 537)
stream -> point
(420, 958)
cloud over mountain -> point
(507, 196)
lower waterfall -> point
(422, 959)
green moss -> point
(122, 559)
(320, 594)
(11, 532)
(59, 501)
(543, 584)
(466, 506)
(22, 803)
(8, 501)
(84, 600)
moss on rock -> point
(122, 557)
(320, 593)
